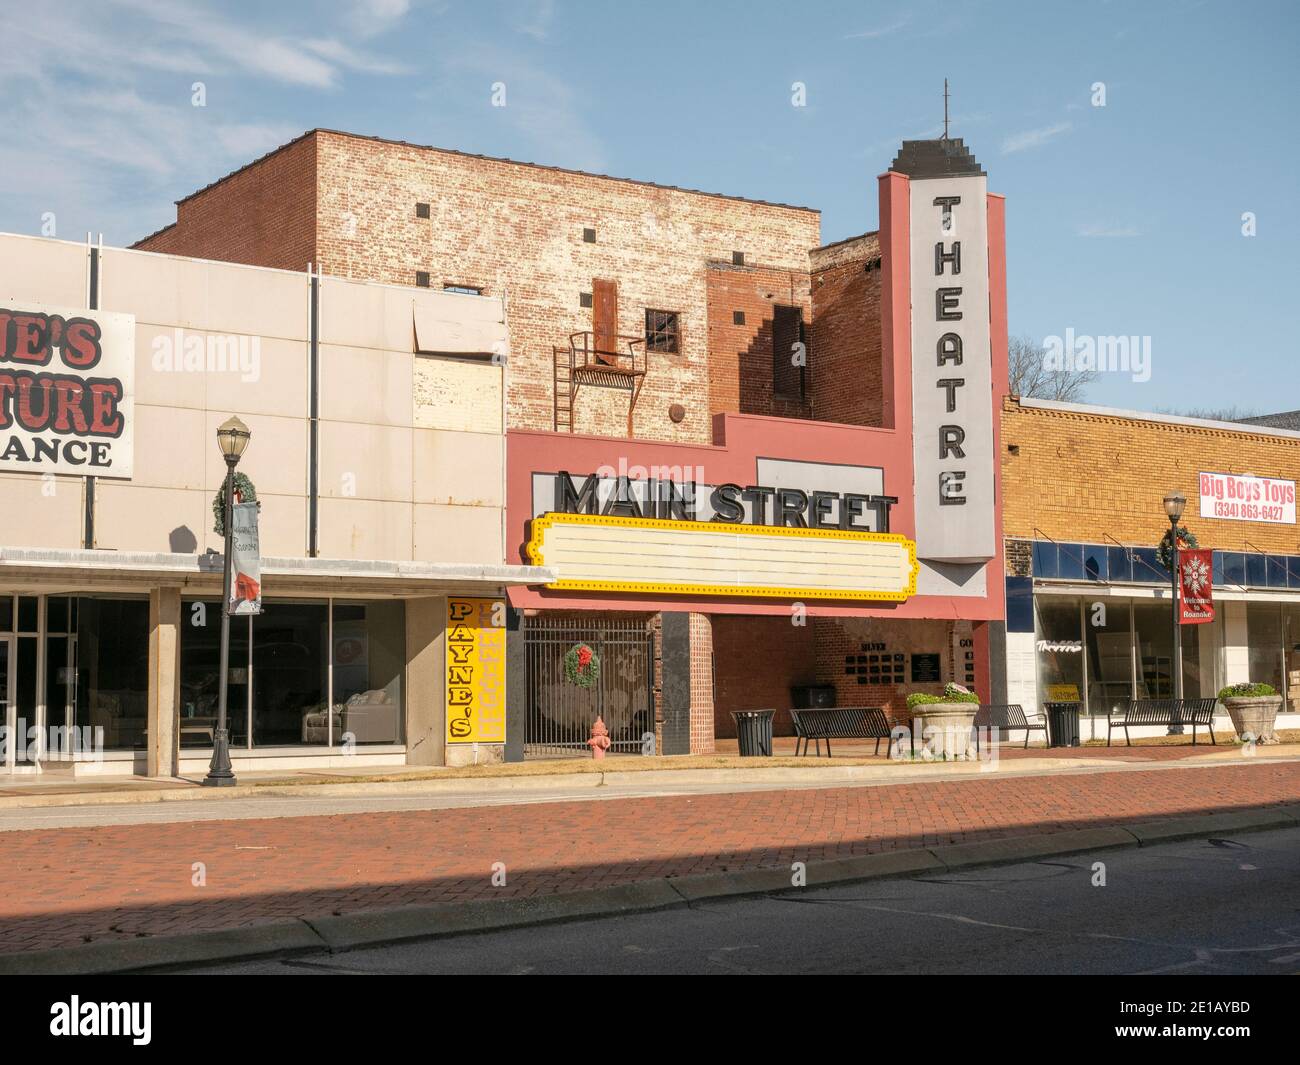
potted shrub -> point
(948, 718)
(1253, 709)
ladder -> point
(562, 378)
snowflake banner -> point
(1196, 577)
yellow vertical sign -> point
(476, 670)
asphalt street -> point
(1220, 906)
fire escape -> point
(595, 360)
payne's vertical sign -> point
(476, 670)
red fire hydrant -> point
(599, 742)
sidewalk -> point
(64, 887)
(852, 761)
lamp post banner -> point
(1196, 591)
(246, 561)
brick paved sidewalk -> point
(68, 886)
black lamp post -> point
(1174, 504)
(232, 438)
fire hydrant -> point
(599, 742)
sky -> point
(1136, 143)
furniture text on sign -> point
(66, 391)
(476, 670)
(1247, 498)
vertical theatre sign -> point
(476, 670)
(952, 363)
(66, 391)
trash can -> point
(754, 732)
(1062, 724)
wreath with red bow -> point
(582, 665)
(1186, 542)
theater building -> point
(1088, 602)
(376, 458)
(761, 469)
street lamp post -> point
(232, 437)
(1174, 504)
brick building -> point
(1089, 604)
(669, 346)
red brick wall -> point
(264, 214)
(741, 356)
(846, 353)
(756, 660)
(517, 230)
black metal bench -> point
(841, 723)
(1167, 712)
(1007, 715)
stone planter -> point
(945, 728)
(1256, 715)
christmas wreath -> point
(1186, 542)
(582, 666)
(244, 493)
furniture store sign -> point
(1247, 498)
(67, 380)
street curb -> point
(372, 928)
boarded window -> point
(788, 352)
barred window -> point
(661, 331)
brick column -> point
(701, 631)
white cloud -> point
(882, 31)
(538, 23)
(1032, 138)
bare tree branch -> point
(1030, 377)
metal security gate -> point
(560, 714)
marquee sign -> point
(66, 391)
(594, 552)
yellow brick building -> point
(1089, 612)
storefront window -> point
(290, 671)
(112, 656)
(280, 673)
(1153, 631)
(1264, 638)
(1291, 630)
(1060, 651)
(1108, 635)
(369, 656)
(201, 672)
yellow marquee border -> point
(552, 518)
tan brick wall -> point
(1083, 476)
(846, 360)
(452, 393)
(263, 215)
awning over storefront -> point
(47, 570)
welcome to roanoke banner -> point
(1196, 586)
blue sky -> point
(1122, 219)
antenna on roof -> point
(945, 108)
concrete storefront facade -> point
(377, 460)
